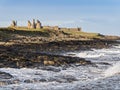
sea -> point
(103, 75)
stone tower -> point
(29, 24)
(38, 24)
(33, 25)
(14, 23)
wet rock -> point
(51, 68)
(4, 75)
(42, 80)
(2, 83)
(84, 62)
(65, 79)
(16, 81)
(69, 78)
(28, 81)
(47, 62)
(104, 63)
(21, 56)
(71, 54)
(30, 55)
(8, 82)
(58, 60)
(35, 80)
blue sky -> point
(101, 16)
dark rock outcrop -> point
(31, 60)
(45, 54)
(5, 78)
(4, 75)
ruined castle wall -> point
(38, 24)
(14, 24)
(33, 25)
(63, 29)
(46, 27)
(29, 24)
(51, 28)
(75, 29)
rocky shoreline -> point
(36, 55)
(31, 49)
(40, 52)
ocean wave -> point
(111, 71)
(89, 55)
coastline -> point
(19, 52)
(37, 52)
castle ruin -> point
(29, 24)
(14, 24)
(36, 24)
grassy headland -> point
(25, 35)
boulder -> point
(51, 68)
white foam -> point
(118, 46)
(96, 53)
(89, 54)
(108, 51)
(115, 69)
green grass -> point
(24, 31)
(83, 34)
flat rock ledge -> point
(35, 60)
(37, 55)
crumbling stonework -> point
(79, 29)
(56, 28)
(74, 29)
(47, 27)
(29, 24)
(51, 27)
(14, 23)
(33, 25)
(38, 24)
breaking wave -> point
(115, 69)
(89, 55)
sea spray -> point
(115, 69)
(89, 54)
